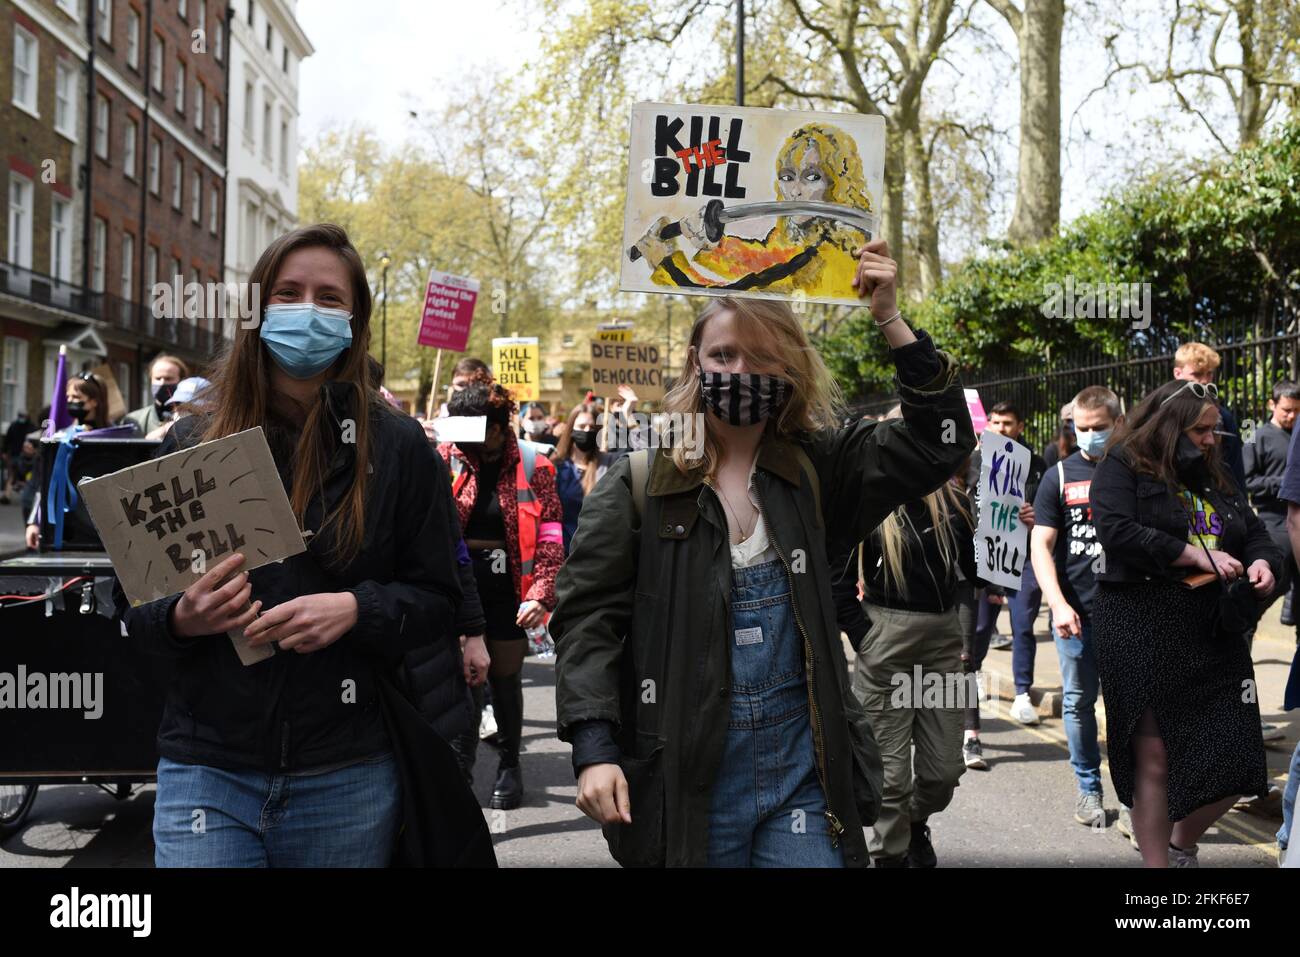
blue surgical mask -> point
(1093, 443)
(305, 338)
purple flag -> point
(59, 417)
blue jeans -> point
(1079, 681)
(1288, 801)
(214, 817)
(767, 807)
(1024, 604)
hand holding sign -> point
(307, 623)
(876, 278)
(217, 602)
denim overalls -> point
(768, 805)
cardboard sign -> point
(165, 522)
(116, 404)
(617, 331)
(730, 201)
(978, 419)
(1001, 539)
(635, 364)
(448, 311)
(516, 363)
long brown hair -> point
(768, 333)
(565, 449)
(1148, 436)
(241, 397)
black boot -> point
(508, 703)
(920, 852)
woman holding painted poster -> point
(510, 518)
(699, 672)
(289, 762)
(1185, 561)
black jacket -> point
(1265, 461)
(301, 711)
(1143, 526)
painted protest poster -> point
(448, 311)
(1001, 539)
(620, 330)
(754, 202)
(166, 521)
(638, 365)
(516, 363)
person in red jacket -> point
(511, 520)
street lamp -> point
(383, 341)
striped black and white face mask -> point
(743, 398)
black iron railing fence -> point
(1254, 356)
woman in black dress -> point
(1182, 722)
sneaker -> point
(999, 641)
(1088, 810)
(487, 725)
(1271, 732)
(972, 752)
(920, 853)
(1022, 710)
(1183, 858)
(1125, 826)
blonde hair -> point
(1197, 355)
(842, 164)
(767, 334)
(943, 504)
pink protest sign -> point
(977, 417)
(448, 310)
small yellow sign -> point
(516, 364)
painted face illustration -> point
(808, 182)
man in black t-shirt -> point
(1066, 556)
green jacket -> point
(665, 584)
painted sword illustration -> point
(716, 214)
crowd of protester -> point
(699, 599)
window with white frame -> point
(284, 147)
(61, 238)
(155, 166)
(69, 7)
(219, 40)
(250, 12)
(128, 267)
(65, 98)
(249, 98)
(124, 379)
(156, 62)
(180, 87)
(104, 20)
(182, 9)
(129, 134)
(99, 258)
(203, 12)
(20, 221)
(196, 197)
(25, 56)
(214, 205)
(13, 379)
(216, 122)
(266, 130)
(178, 173)
(132, 39)
(101, 126)
(269, 35)
(198, 106)
(150, 269)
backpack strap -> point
(640, 462)
(528, 453)
(1060, 479)
(805, 463)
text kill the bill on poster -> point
(754, 202)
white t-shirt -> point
(756, 549)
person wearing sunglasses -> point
(1182, 726)
(1197, 362)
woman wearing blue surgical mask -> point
(700, 674)
(291, 758)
